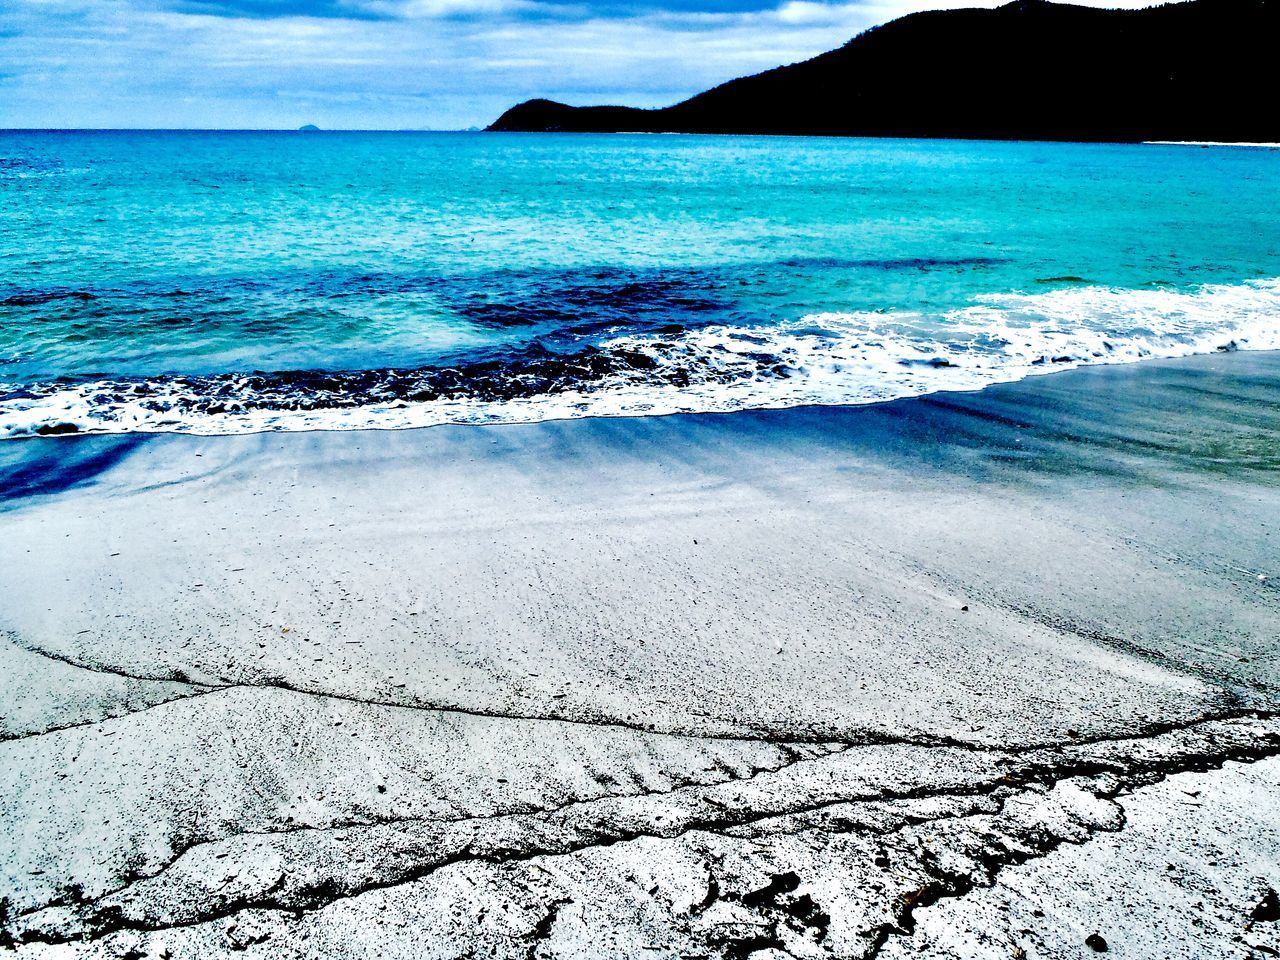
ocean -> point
(210, 282)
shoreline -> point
(803, 412)
(722, 377)
(657, 679)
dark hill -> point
(1197, 70)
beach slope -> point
(927, 676)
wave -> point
(830, 358)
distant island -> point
(1201, 70)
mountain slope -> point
(1197, 70)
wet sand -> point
(824, 682)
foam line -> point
(833, 358)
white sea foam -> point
(833, 358)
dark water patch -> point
(361, 308)
(36, 298)
(891, 264)
(590, 302)
(344, 305)
(29, 164)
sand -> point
(818, 682)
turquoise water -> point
(219, 282)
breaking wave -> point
(830, 358)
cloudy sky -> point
(397, 64)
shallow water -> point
(224, 282)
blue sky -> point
(393, 64)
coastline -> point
(1214, 143)
(368, 674)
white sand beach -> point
(980, 674)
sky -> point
(394, 64)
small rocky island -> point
(1027, 70)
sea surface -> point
(232, 282)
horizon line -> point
(472, 129)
